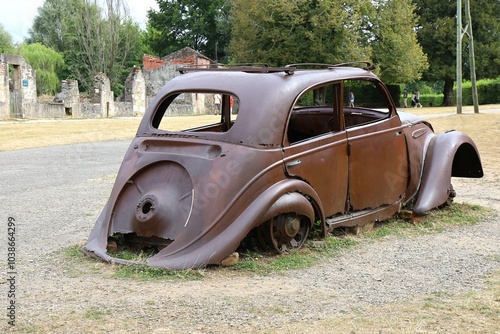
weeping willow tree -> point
(46, 62)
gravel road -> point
(56, 193)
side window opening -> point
(364, 102)
(315, 113)
(207, 112)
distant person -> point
(351, 99)
(417, 99)
(405, 98)
(217, 103)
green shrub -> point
(488, 91)
(431, 100)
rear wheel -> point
(284, 233)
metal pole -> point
(471, 57)
(459, 57)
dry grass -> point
(484, 129)
(447, 110)
(469, 312)
(17, 135)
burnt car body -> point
(294, 155)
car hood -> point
(407, 118)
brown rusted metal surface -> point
(295, 155)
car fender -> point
(215, 244)
(448, 154)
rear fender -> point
(452, 153)
(214, 246)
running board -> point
(363, 217)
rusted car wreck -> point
(288, 151)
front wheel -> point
(451, 197)
(284, 233)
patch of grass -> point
(434, 221)
(76, 263)
(144, 272)
(307, 256)
(95, 314)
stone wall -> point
(69, 97)
(50, 110)
(17, 91)
(157, 78)
(124, 109)
(4, 91)
(134, 93)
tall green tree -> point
(437, 35)
(46, 62)
(6, 45)
(93, 36)
(200, 24)
(282, 31)
(103, 40)
(396, 50)
(50, 25)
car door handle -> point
(293, 163)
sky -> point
(17, 16)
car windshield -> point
(207, 111)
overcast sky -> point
(17, 16)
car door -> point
(377, 159)
(316, 146)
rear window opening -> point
(208, 112)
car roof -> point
(266, 97)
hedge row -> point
(488, 91)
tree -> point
(280, 32)
(46, 62)
(6, 45)
(94, 36)
(49, 26)
(105, 41)
(437, 35)
(395, 48)
(200, 24)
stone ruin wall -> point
(141, 86)
(17, 90)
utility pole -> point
(460, 34)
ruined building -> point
(18, 89)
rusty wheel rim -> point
(284, 233)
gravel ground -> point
(56, 193)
